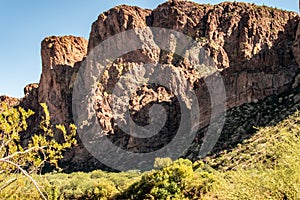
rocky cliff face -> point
(296, 46)
(255, 48)
(61, 57)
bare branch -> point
(8, 183)
(23, 152)
(5, 143)
(27, 175)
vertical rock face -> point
(251, 46)
(117, 20)
(30, 101)
(61, 57)
(296, 45)
(255, 48)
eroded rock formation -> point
(61, 57)
(255, 48)
(251, 46)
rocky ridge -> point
(255, 49)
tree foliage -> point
(42, 147)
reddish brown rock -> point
(59, 58)
(255, 48)
(8, 101)
(251, 46)
(30, 99)
(116, 20)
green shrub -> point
(176, 181)
(162, 162)
(94, 185)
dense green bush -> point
(162, 162)
(180, 180)
(93, 185)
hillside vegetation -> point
(265, 166)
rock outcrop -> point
(61, 57)
(30, 99)
(8, 101)
(255, 48)
(252, 47)
(117, 20)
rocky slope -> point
(255, 49)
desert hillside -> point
(254, 48)
(206, 95)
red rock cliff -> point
(255, 48)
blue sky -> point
(24, 24)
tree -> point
(42, 148)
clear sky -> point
(25, 23)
